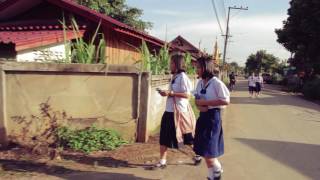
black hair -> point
(179, 62)
(207, 65)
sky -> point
(195, 20)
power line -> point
(217, 16)
(237, 13)
(227, 32)
(224, 10)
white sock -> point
(197, 157)
(210, 173)
(163, 161)
(217, 166)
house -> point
(185, 46)
(31, 30)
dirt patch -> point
(22, 162)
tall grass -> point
(67, 44)
(164, 59)
(190, 68)
(80, 50)
(156, 63)
(146, 57)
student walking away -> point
(232, 81)
(212, 96)
(259, 84)
(252, 84)
(178, 121)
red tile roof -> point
(31, 39)
(87, 13)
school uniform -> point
(259, 81)
(208, 141)
(252, 83)
(179, 84)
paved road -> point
(273, 137)
(276, 136)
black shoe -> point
(215, 178)
(217, 174)
(159, 166)
(197, 160)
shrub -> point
(89, 139)
(311, 89)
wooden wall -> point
(121, 49)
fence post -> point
(142, 129)
(3, 123)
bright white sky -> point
(195, 20)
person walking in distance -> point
(259, 84)
(178, 121)
(211, 95)
(232, 81)
(252, 85)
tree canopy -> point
(118, 10)
(234, 67)
(261, 61)
(301, 34)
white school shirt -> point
(215, 90)
(182, 84)
(252, 81)
(259, 79)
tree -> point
(118, 10)
(261, 61)
(301, 34)
(234, 67)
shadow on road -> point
(304, 158)
(60, 171)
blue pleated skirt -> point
(208, 141)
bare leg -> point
(163, 158)
(163, 152)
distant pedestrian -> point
(252, 84)
(259, 84)
(178, 121)
(232, 81)
(212, 94)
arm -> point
(184, 88)
(175, 94)
(218, 102)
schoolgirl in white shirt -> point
(252, 84)
(259, 84)
(211, 94)
(172, 134)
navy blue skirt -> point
(168, 136)
(258, 87)
(208, 141)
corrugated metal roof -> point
(31, 39)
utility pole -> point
(227, 33)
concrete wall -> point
(107, 96)
(157, 103)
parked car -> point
(267, 78)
